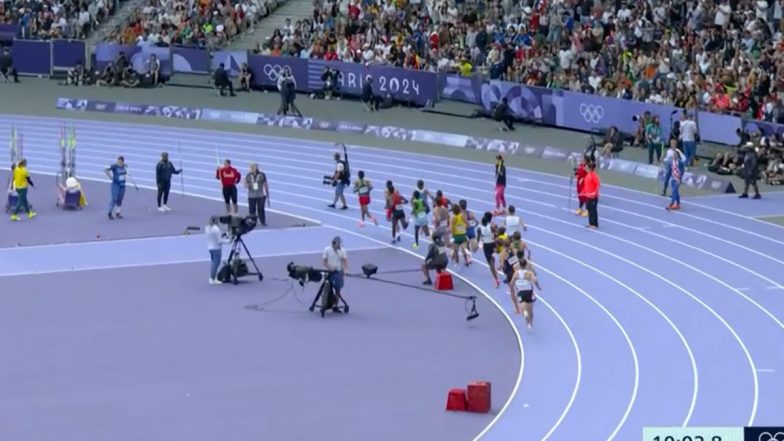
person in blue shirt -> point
(118, 173)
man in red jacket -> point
(591, 186)
(229, 178)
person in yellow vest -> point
(21, 182)
(459, 227)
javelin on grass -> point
(182, 177)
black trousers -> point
(593, 212)
(256, 208)
(223, 86)
(750, 184)
(11, 72)
(163, 192)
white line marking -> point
(174, 262)
(743, 289)
(134, 128)
(774, 287)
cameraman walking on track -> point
(163, 174)
(335, 261)
(229, 178)
(258, 193)
(340, 179)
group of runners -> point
(456, 233)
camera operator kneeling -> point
(436, 258)
(335, 260)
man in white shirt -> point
(335, 261)
(513, 223)
(689, 138)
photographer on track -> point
(335, 261)
(340, 179)
(222, 81)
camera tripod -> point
(235, 267)
(329, 299)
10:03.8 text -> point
(686, 438)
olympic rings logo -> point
(767, 436)
(591, 113)
(274, 71)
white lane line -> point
(662, 314)
(216, 135)
(617, 323)
(766, 371)
(171, 262)
(278, 160)
(461, 277)
(707, 275)
(774, 287)
(743, 289)
(760, 307)
(179, 237)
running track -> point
(657, 319)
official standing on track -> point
(118, 173)
(21, 182)
(229, 178)
(500, 184)
(677, 166)
(163, 174)
(258, 193)
(591, 193)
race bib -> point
(442, 250)
(121, 178)
(399, 207)
(512, 261)
(460, 229)
(364, 190)
(422, 216)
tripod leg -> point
(316, 299)
(253, 262)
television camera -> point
(326, 295)
(235, 266)
(329, 180)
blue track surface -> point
(657, 319)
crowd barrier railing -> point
(559, 108)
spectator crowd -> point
(195, 23)
(721, 55)
(50, 19)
